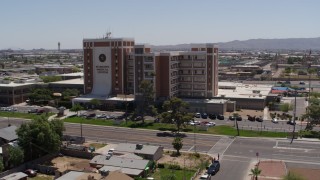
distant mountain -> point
(256, 44)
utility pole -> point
(194, 138)
(294, 115)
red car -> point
(31, 173)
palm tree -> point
(255, 172)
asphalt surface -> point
(236, 154)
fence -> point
(28, 165)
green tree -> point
(175, 112)
(177, 144)
(40, 95)
(76, 69)
(292, 176)
(47, 79)
(145, 104)
(95, 103)
(38, 138)
(1, 164)
(255, 172)
(57, 126)
(76, 108)
(16, 156)
(285, 107)
(68, 93)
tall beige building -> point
(115, 66)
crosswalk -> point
(220, 147)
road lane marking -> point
(191, 148)
(294, 156)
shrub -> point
(197, 155)
(160, 165)
(174, 166)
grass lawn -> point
(97, 145)
(219, 130)
(20, 115)
(166, 173)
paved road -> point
(236, 154)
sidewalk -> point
(270, 169)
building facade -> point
(115, 66)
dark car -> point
(204, 115)
(214, 168)
(212, 116)
(33, 111)
(30, 173)
(251, 118)
(220, 117)
(291, 122)
(232, 118)
(259, 119)
(239, 118)
(92, 115)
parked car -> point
(275, 120)
(259, 119)
(40, 111)
(210, 124)
(302, 83)
(212, 116)
(214, 168)
(92, 115)
(204, 115)
(239, 118)
(220, 117)
(197, 115)
(251, 118)
(30, 173)
(291, 122)
(232, 118)
(101, 116)
(33, 111)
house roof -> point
(14, 176)
(131, 156)
(128, 171)
(120, 162)
(118, 175)
(131, 148)
(72, 175)
(9, 133)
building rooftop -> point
(70, 81)
(213, 101)
(132, 148)
(240, 90)
(132, 172)
(72, 175)
(9, 133)
(71, 74)
(14, 176)
(120, 162)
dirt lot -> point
(187, 160)
(65, 162)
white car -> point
(193, 123)
(210, 124)
(274, 120)
(197, 115)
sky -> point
(37, 24)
